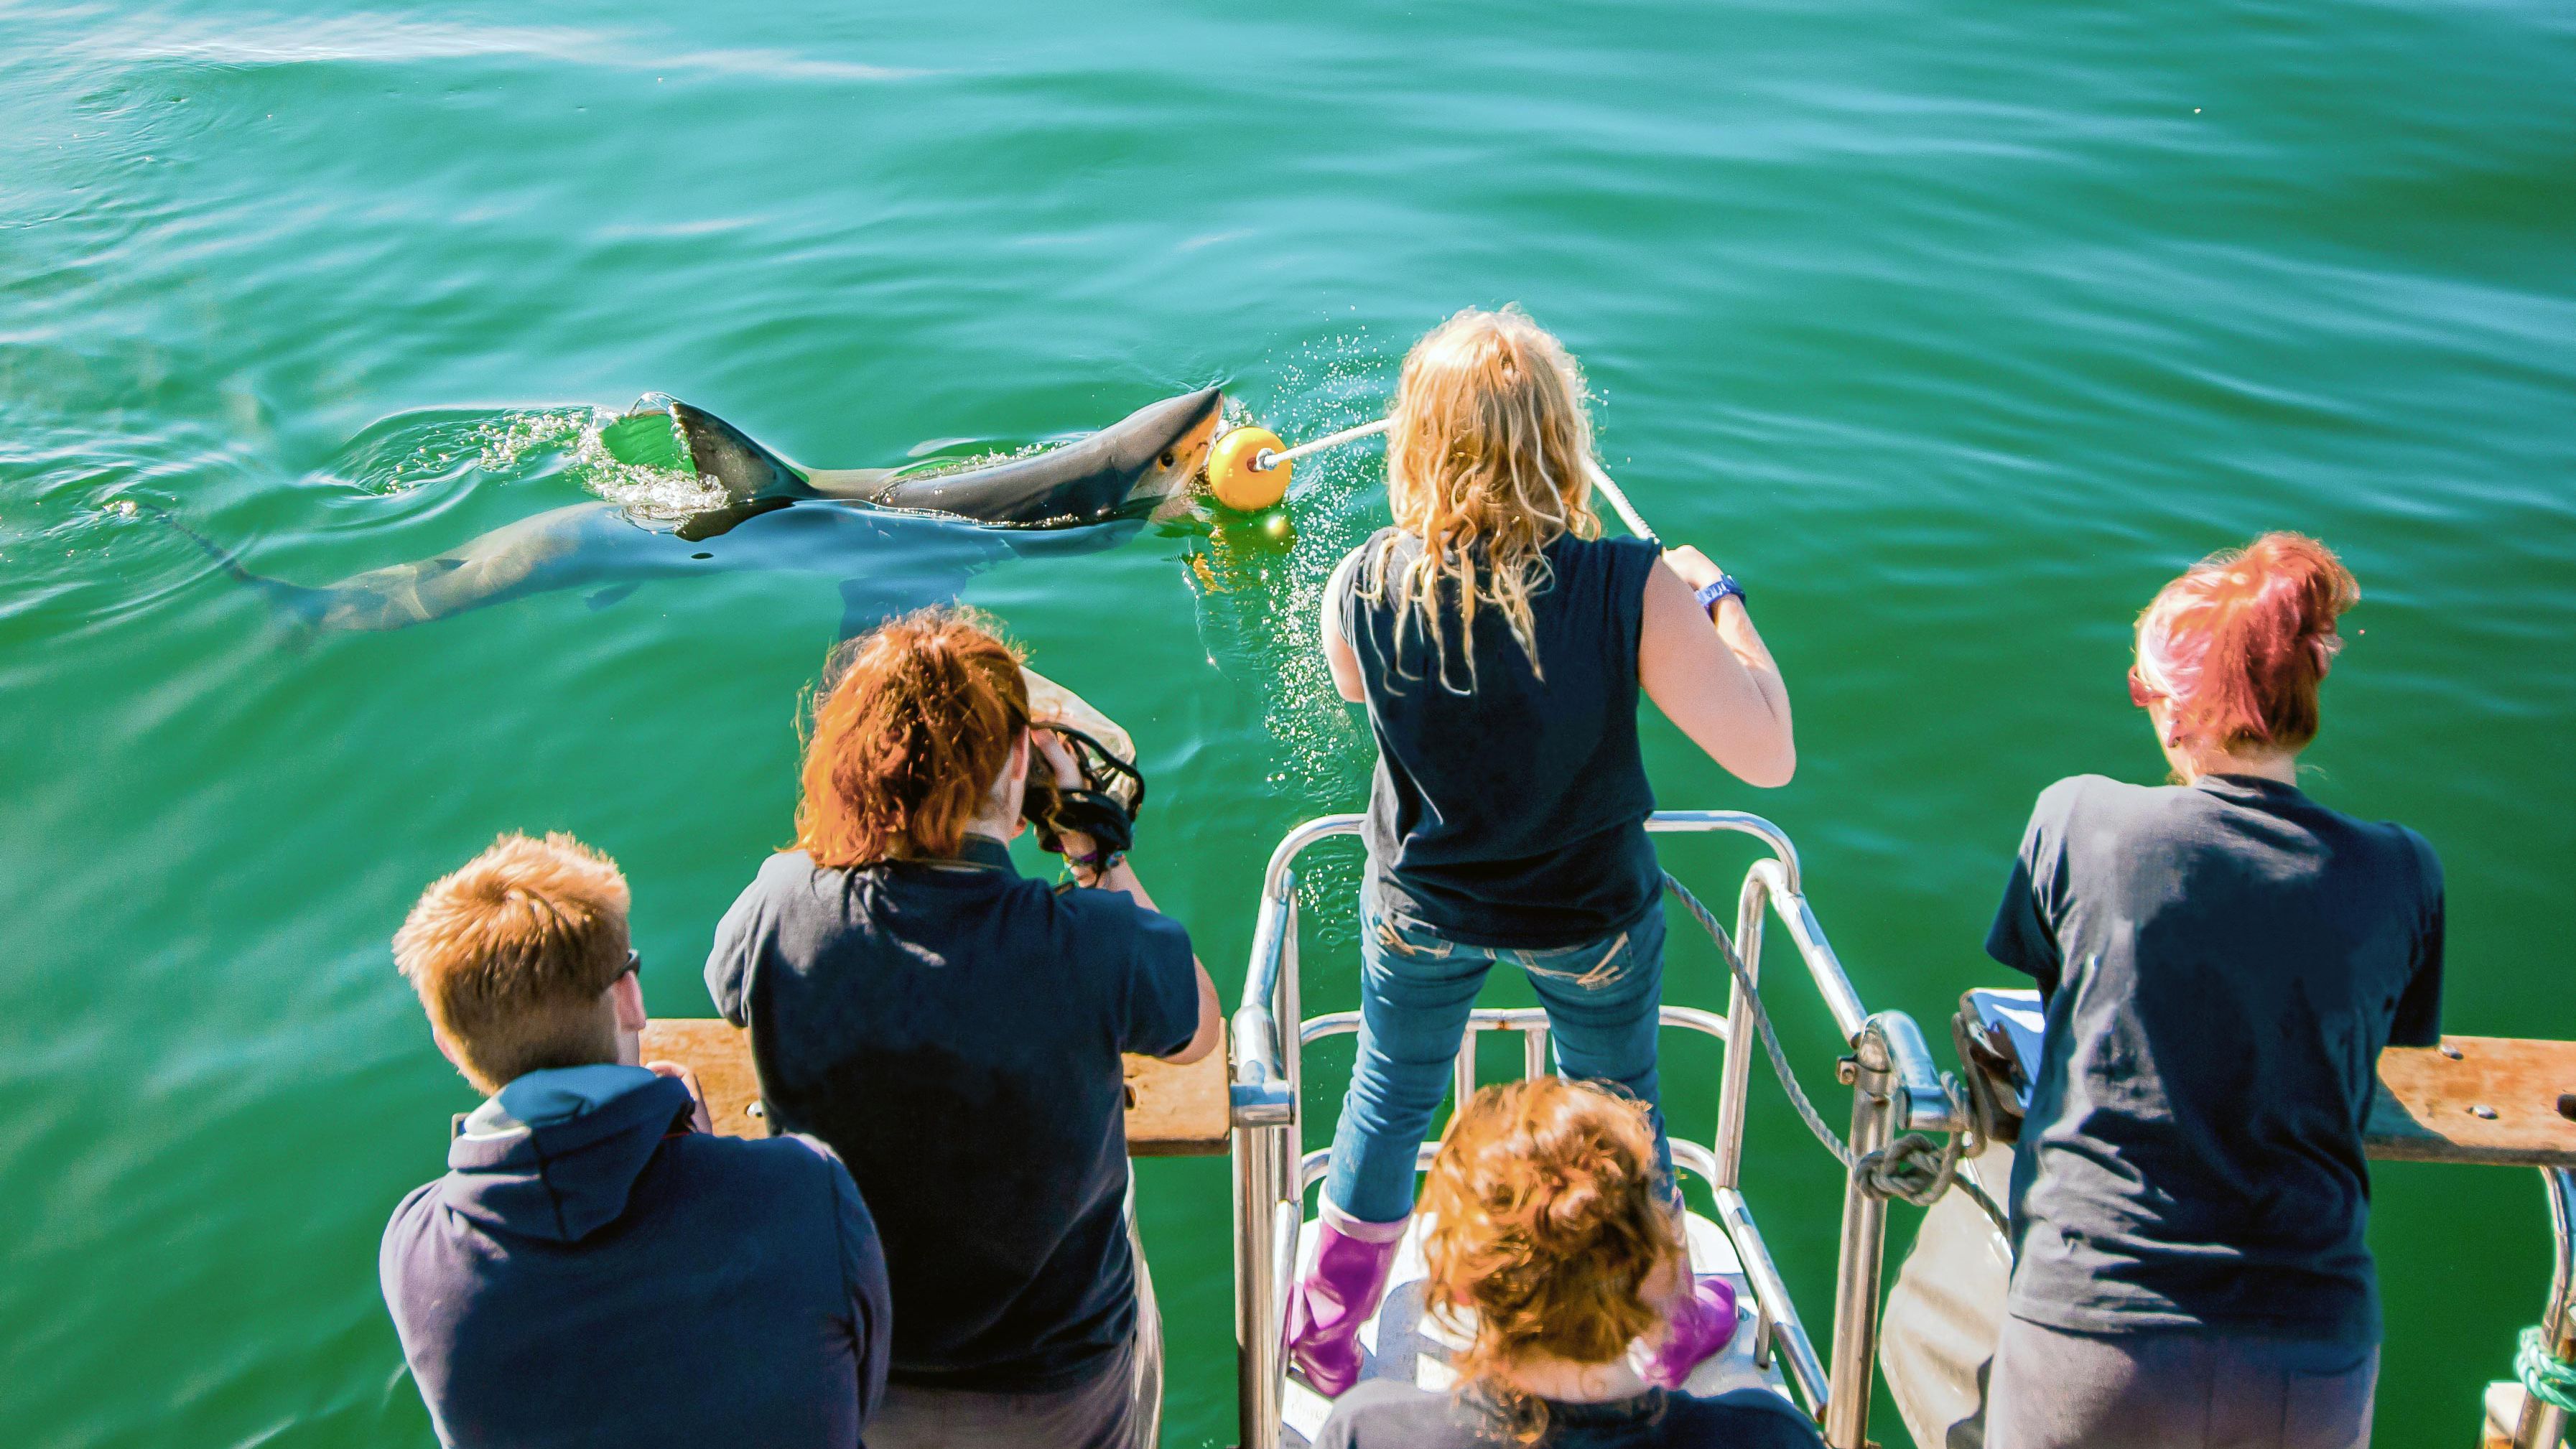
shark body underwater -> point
(896, 538)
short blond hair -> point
(512, 952)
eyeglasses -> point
(2139, 694)
(634, 964)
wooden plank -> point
(2478, 1099)
(1180, 1111)
(1171, 1111)
(720, 1053)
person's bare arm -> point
(1121, 877)
(1716, 681)
(1337, 650)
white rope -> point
(1267, 459)
(1628, 513)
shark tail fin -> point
(297, 604)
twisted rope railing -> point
(1914, 1167)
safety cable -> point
(1912, 1167)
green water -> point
(1954, 329)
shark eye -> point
(1168, 457)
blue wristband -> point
(1724, 588)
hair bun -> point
(2239, 642)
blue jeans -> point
(1416, 988)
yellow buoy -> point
(1236, 482)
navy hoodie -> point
(611, 1277)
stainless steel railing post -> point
(1462, 1071)
(2542, 1425)
(1735, 1070)
(1256, 1309)
(1862, 1256)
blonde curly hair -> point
(1548, 1222)
(1486, 465)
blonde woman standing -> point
(1500, 644)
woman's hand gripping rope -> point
(1913, 1167)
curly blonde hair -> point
(1548, 1221)
(1486, 465)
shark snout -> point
(1194, 418)
(1170, 440)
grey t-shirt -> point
(2222, 964)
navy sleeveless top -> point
(1513, 813)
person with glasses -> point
(2223, 958)
(596, 1267)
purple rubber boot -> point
(1701, 1323)
(1336, 1295)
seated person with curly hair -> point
(1549, 1231)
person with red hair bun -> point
(1550, 1246)
(2222, 960)
(954, 1031)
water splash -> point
(649, 494)
(1259, 581)
(519, 446)
(971, 455)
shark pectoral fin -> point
(715, 521)
(613, 594)
(915, 579)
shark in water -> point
(898, 538)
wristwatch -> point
(1724, 587)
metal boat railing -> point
(1896, 1088)
(2542, 1425)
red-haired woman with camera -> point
(2223, 959)
(953, 1030)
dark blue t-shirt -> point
(1387, 1415)
(2222, 963)
(953, 1030)
(1510, 803)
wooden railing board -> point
(1171, 1111)
(2430, 1101)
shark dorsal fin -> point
(726, 454)
(668, 434)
